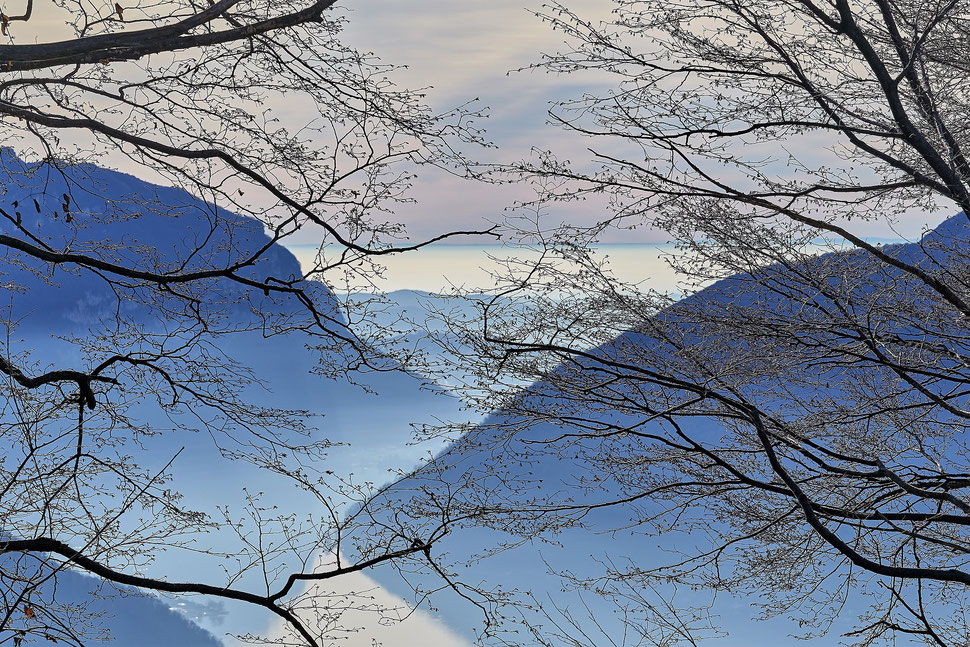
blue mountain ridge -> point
(119, 218)
(504, 460)
(117, 615)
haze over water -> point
(438, 267)
(441, 267)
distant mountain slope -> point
(132, 620)
(120, 219)
(55, 315)
(516, 459)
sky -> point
(463, 51)
(469, 51)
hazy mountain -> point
(506, 459)
(53, 315)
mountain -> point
(87, 210)
(62, 316)
(120, 617)
(518, 457)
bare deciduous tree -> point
(201, 96)
(801, 424)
